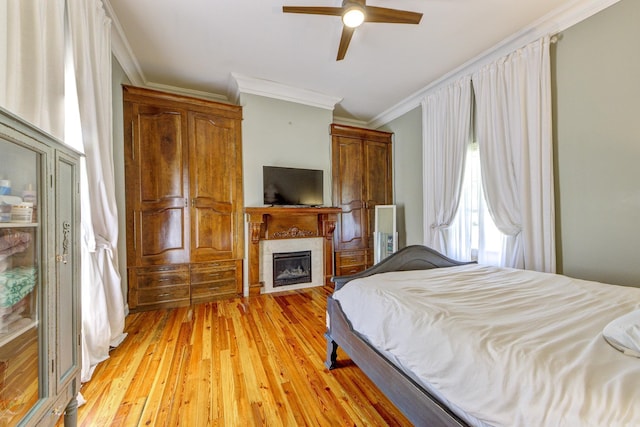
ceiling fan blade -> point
(393, 16)
(313, 10)
(345, 39)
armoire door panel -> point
(212, 235)
(350, 170)
(350, 233)
(377, 179)
(378, 173)
(212, 149)
(160, 159)
(161, 236)
(348, 165)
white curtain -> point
(513, 101)
(446, 116)
(473, 236)
(32, 66)
(103, 309)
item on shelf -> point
(5, 212)
(5, 187)
(14, 242)
(29, 195)
(6, 203)
(16, 284)
(22, 212)
(13, 316)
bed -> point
(495, 346)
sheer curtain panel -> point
(32, 62)
(513, 101)
(103, 309)
(446, 116)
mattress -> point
(504, 347)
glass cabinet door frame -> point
(41, 171)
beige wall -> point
(597, 139)
(282, 133)
(407, 171)
(118, 78)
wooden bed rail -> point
(415, 257)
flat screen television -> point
(292, 186)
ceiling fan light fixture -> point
(353, 16)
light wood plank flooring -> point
(241, 362)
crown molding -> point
(251, 85)
(122, 50)
(558, 20)
(189, 92)
(350, 122)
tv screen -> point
(292, 186)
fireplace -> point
(289, 229)
(270, 251)
(290, 268)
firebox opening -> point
(290, 268)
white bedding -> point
(507, 347)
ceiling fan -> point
(354, 13)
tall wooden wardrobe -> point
(183, 172)
(362, 179)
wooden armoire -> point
(183, 172)
(362, 178)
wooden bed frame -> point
(419, 406)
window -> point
(473, 235)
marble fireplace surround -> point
(285, 223)
(269, 247)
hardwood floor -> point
(240, 362)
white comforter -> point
(507, 347)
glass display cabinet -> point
(39, 280)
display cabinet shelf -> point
(19, 224)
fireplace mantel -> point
(271, 223)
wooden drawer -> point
(152, 288)
(212, 271)
(170, 275)
(349, 269)
(205, 292)
(210, 281)
(167, 294)
(350, 262)
(348, 258)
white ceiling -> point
(198, 44)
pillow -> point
(623, 333)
